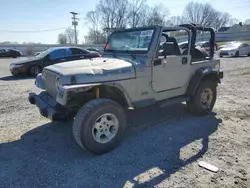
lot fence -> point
(31, 49)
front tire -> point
(204, 99)
(35, 70)
(237, 54)
(99, 126)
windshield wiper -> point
(130, 53)
(110, 50)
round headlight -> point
(58, 83)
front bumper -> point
(18, 71)
(48, 106)
(221, 74)
(227, 53)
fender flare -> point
(115, 85)
(200, 74)
(121, 88)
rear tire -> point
(204, 99)
(94, 131)
(34, 70)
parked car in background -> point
(93, 50)
(224, 45)
(34, 65)
(235, 49)
(206, 46)
(10, 53)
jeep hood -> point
(94, 70)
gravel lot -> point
(160, 150)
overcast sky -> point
(30, 15)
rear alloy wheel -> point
(204, 99)
(99, 126)
(35, 70)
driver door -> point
(170, 71)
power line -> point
(34, 31)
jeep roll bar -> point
(194, 28)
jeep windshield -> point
(130, 41)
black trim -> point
(99, 82)
(184, 60)
(157, 62)
(221, 74)
(194, 28)
(173, 100)
(48, 107)
(196, 78)
(144, 103)
(167, 90)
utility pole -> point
(74, 23)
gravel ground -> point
(160, 150)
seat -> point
(170, 47)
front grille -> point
(223, 53)
(50, 83)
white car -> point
(235, 50)
(226, 44)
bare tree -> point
(134, 16)
(157, 15)
(93, 19)
(96, 37)
(203, 14)
(70, 35)
(247, 22)
(222, 20)
(62, 38)
(175, 20)
(233, 21)
(113, 13)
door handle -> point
(62, 59)
(82, 57)
(184, 60)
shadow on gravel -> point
(14, 78)
(48, 156)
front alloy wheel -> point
(204, 99)
(99, 125)
(105, 128)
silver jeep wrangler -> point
(134, 71)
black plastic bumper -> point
(48, 107)
(221, 74)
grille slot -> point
(50, 83)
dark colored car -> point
(93, 50)
(34, 65)
(10, 53)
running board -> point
(172, 101)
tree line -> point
(113, 14)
